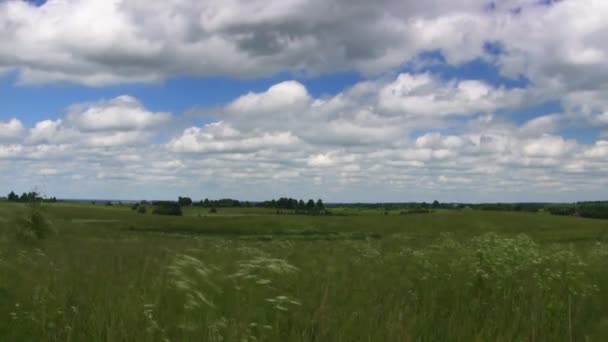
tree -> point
(435, 204)
(320, 205)
(12, 197)
(184, 201)
(310, 205)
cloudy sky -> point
(348, 100)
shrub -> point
(34, 226)
(142, 210)
(170, 209)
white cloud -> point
(424, 94)
(320, 160)
(542, 124)
(547, 146)
(116, 122)
(557, 46)
(11, 130)
(105, 42)
(599, 150)
(123, 113)
(280, 98)
(221, 138)
(398, 137)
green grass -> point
(111, 274)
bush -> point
(213, 211)
(170, 209)
(34, 226)
(142, 210)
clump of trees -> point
(222, 203)
(184, 201)
(27, 197)
(298, 206)
(598, 209)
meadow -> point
(108, 273)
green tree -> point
(320, 205)
(13, 197)
(184, 201)
(310, 205)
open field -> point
(111, 274)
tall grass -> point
(487, 288)
(129, 286)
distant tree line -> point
(525, 207)
(597, 209)
(31, 196)
(399, 205)
(298, 206)
(310, 207)
(222, 203)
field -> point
(111, 274)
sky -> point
(349, 101)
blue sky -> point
(394, 101)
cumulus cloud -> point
(424, 94)
(220, 138)
(350, 140)
(123, 113)
(556, 45)
(11, 129)
(116, 122)
(105, 42)
(402, 133)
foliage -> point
(25, 197)
(170, 209)
(222, 203)
(34, 226)
(597, 209)
(184, 201)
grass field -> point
(110, 274)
